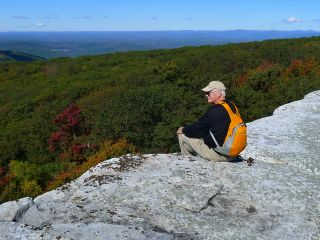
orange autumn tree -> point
(107, 149)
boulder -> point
(13, 210)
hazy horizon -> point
(78, 43)
(178, 30)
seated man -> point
(200, 138)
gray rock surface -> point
(13, 210)
(169, 196)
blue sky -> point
(148, 15)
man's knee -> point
(181, 136)
(185, 146)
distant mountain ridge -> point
(13, 56)
(73, 44)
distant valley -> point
(13, 56)
(74, 44)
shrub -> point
(106, 150)
(30, 188)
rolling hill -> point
(14, 56)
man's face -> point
(213, 96)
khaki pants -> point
(195, 146)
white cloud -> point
(40, 25)
(292, 20)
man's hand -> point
(179, 131)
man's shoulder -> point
(219, 110)
(215, 109)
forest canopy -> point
(61, 116)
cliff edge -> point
(170, 196)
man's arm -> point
(201, 127)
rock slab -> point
(170, 196)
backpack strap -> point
(218, 148)
(228, 108)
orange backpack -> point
(236, 139)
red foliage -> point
(72, 129)
(78, 149)
(69, 117)
(64, 156)
(1, 170)
(301, 67)
(264, 66)
(296, 64)
(241, 80)
(58, 139)
(69, 125)
(5, 180)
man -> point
(196, 139)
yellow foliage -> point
(30, 188)
(107, 149)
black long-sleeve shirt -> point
(216, 119)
